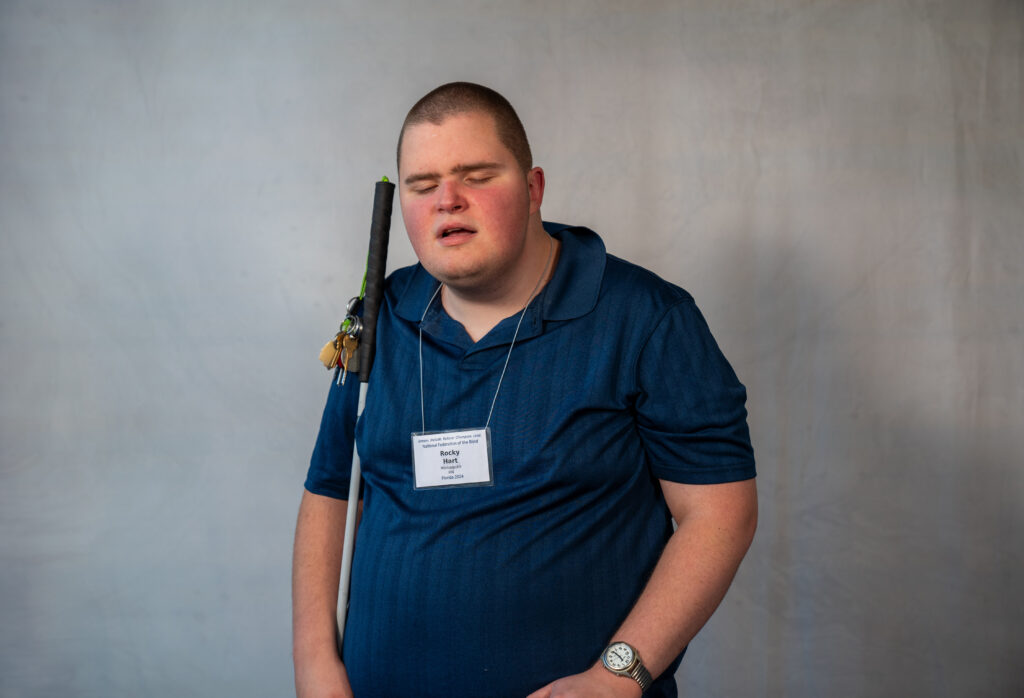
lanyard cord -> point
(533, 294)
(423, 415)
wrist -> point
(622, 660)
(621, 686)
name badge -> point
(456, 458)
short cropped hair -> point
(464, 97)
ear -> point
(535, 184)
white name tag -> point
(454, 458)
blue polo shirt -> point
(614, 383)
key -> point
(349, 355)
(331, 352)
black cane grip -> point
(376, 264)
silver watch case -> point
(622, 659)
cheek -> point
(417, 220)
(502, 206)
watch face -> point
(618, 656)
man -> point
(579, 402)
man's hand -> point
(325, 678)
(596, 682)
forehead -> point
(465, 137)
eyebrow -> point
(457, 170)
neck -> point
(480, 309)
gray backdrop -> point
(185, 192)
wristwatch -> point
(622, 659)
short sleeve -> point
(331, 464)
(691, 411)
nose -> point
(450, 199)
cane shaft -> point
(376, 264)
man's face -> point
(466, 202)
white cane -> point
(376, 262)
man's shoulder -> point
(609, 284)
(632, 283)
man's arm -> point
(316, 568)
(716, 525)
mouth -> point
(455, 232)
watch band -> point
(640, 674)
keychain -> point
(342, 350)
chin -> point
(454, 275)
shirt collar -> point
(574, 287)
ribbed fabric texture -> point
(614, 382)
